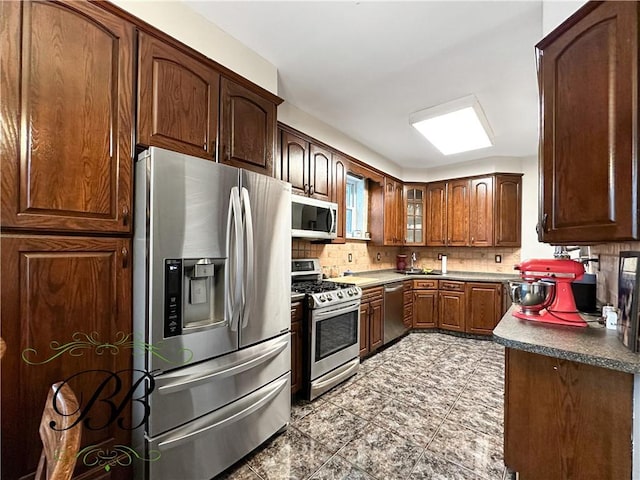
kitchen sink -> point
(419, 271)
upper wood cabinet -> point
(305, 165)
(448, 213)
(393, 208)
(67, 117)
(476, 211)
(339, 194)
(414, 214)
(177, 99)
(247, 128)
(66, 291)
(507, 218)
(481, 212)
(458, 213)
(436, 232)
(588, 80)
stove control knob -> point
(321, 297)
(329, 297)
(340, 295)
(352, 292)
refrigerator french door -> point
(211, 309)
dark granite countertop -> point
(380, 277)
(593, 345)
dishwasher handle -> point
(393, 288)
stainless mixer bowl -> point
(531, 296)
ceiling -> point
(364, 67)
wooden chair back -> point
(60, 444)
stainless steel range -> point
(331, 327)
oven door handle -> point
(228, 370)
(324, 313)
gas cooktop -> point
(317, 286)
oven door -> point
(335, 337)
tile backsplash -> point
(365, 256)
(607, 276)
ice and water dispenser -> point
(194, 295)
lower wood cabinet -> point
(65, 291)
(484, 307)
(425, 303)
(371, 320)
(451, 306)
(565, 419)
(296, 347)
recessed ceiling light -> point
(454, 127)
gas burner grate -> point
(317, 286)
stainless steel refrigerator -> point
(212, 249)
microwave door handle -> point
(332, 216)
(249, 270)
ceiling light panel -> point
(454, 127)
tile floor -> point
(427, 407)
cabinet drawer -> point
(372, 294)
(425, 284)
(451, 285)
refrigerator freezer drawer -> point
(182, 395)
(210, 444)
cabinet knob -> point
(305, 188)
(311, 190)
(125, 215)
(125, 257)
(472, 240)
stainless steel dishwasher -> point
(393, 311)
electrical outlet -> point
(378, 256)
(350, 257)
(498, 258)
(439, 256)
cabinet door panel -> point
(178, 100)
(294, 162)
(376, 324)
(508, 218)
(565, 419)
(320, 171)
(484, 307)
(414, 215)
(451, 310)
(63, 289)
(364, 329)
(481, 212)
(247, 128)
(425, 308)
(589, 90)
(67, 115)
(458, 213)
(338, 194)
(436, 214)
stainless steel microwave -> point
(312, 218)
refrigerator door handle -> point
(235, 417)
(249, 271)
(235, 251)
(228, 370)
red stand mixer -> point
(547, 301)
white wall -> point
(179, 21)
(531, 248)
(300, 120)
(556, 12)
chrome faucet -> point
(414, 258)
